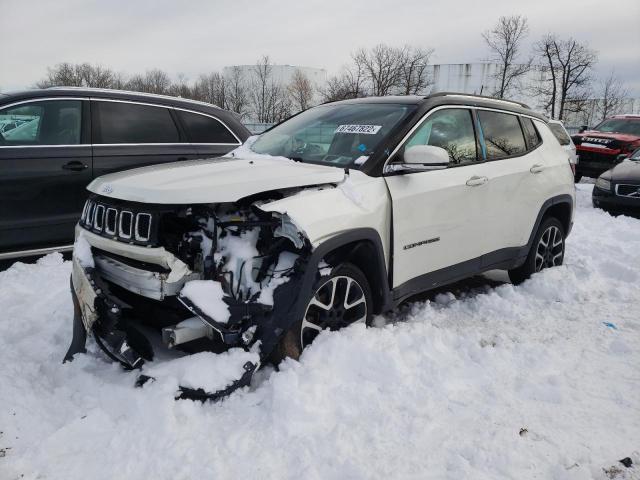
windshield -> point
(620, 125)
(341, 135)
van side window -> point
(204, 129)
(503, 136)
(48, 122)
(119, 122)
(451, 129)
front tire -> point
(547, 250)
(336, 301)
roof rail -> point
(482, 97)
(132, 92)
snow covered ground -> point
(487, 382)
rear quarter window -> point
(531, 134)
(205, 129)
(560, 134)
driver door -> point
(437, 214)
(45, 165)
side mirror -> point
(425, 157)
(583, 128)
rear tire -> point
(547, 250)
(336, 301)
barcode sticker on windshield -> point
(365, 129)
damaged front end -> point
(152, 282)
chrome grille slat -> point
(127, 225)
(111, 221)
(98, 221)
(126, 219)
(90, 212)
(143, 227)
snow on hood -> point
(224, 179)
(628, 170)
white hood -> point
(212, 181)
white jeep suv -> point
(339, 213)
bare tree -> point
(567, 66)
(350, 83)
(383, 67)
(180, 88)
(268, 98)
(382, 70)
(613, 94)
(261, 77)
(301, 91)
(156, 81)
(505, 42)
(413, 70)
(211, 88)
(334, 89)
(236, 92)
(79, 75)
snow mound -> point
(207, 295)
(206, 370)
(488, 381)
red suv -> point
(607, 144)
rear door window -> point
(205, 129)
(131, 123)
(47, 122)
(502, 134)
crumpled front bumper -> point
(99, 313)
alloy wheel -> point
(550, 249)
(339, 302)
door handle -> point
(75, 166)
(537, 168)
(476, 181)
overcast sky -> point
(192, 37)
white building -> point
(478, 79)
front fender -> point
(322, 213)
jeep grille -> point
(116, 222)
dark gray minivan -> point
(54, 141)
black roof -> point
(231, 119)
(448, 98)
(109, 94)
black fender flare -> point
(558, 199)
(286, 313)
(345, 238)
